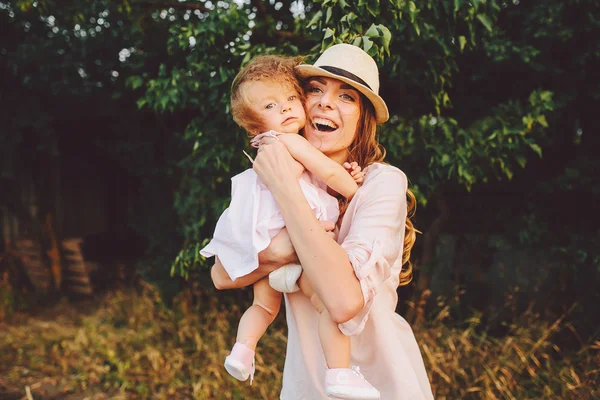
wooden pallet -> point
(76, 274)
(29, 253)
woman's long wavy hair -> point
(365, 149)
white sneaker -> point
(348, 383)
(285, 279)
(240, 363)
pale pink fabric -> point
(383, 344)
(253, 217)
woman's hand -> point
(275, 167)
(309, 292)
(280, 251)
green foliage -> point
(495, 146)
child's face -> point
(278, 105)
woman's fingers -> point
(307, 289)
(281, 248)
(327, 225)
(317, 303)
(329, 229)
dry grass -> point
(129, 345)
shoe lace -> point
(356, 370)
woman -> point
(354, 278)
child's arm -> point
(328, 171)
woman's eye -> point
(313, 89)
(347, 97)
(270, 106)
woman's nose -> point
(325, 101)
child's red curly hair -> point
(272, 68)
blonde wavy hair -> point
(365, 149)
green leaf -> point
(328, 33)
(445, 160)
(163, 102)
(315, 19)
(485, 21)
(457, 5)
(417, 29)
(541, 119)
(537, 149)
(367, 44)
(462, 41)
(135, 82)
(372, 32)
(386, 38)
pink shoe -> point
(348, 383)
(240, 363)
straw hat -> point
(352, 65)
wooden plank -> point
(76, 271)
(29, 253)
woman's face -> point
(333, 111)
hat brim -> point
(381, 111)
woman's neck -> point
(340, 156)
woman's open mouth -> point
(323, 125)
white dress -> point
(246, 227)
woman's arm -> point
(222, 281)
(325, 263)
(328, 171)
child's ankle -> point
(247, 344)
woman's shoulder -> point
(384, 173)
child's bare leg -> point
(336, 345)
(260, 315)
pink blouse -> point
(383, 344)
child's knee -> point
(270, 307)
(269, 302)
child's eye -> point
(292, 98)
(270, 106)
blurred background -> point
(117, 149)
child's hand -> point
(267, 140)
(355, 172)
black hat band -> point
(345, 74)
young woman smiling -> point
(354, 275)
